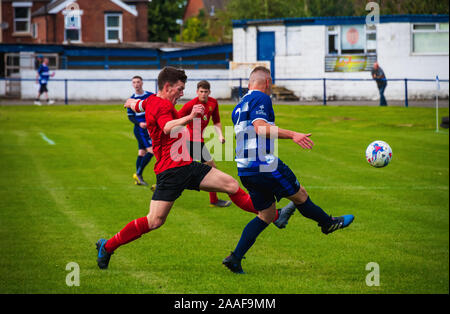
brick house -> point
(68, 21)
(193, 7)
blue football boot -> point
(102, 256)
(337, 223)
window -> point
(72, 25)
(113, 27)
(22, 17)
(430, 38)
(34, 30)
(333, 40)
(351, 39)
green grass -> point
(57, 200)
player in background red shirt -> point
(196, 128)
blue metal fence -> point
(240, 82)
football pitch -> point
(66, 181)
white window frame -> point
(79, 13)
(21, 19)
(337, 32)
(114, 28)
(436, 30)
(34, 30)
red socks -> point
(243, 201)
(213, 197)
(130, 232)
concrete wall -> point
(300, 53)
(112, 90)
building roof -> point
(344, 20)
(57, 6)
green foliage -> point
(195, 29)
(269, 9)
(162, 17)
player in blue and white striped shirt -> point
(265, 176)
(145, 152)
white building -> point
(405, 46)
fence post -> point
(406, 92)
(324, 91)
(66, 97)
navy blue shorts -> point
(267, 187)
(144, 140)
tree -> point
(162, 19)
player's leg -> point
(37, 101)
(138, 179)
(148, 154)
(159, 210)
(310, 210)
(214, 201)
(254, 227)
(218, 181)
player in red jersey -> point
(197, 148)
(175, 171)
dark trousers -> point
(382, 88)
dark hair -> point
(170, 75)
(262, 69)
(203, 84)
(137, 77)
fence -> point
(237, 88)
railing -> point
(240, 87)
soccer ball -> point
(378, 154)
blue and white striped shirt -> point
(254, 153)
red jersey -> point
(158, 112)
(211, 110)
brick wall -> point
(8, 16)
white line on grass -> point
(45, 138)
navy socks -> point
(144, 161)
(248, 237)
(138, 162)
(314, 212)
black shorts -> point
(172, 182)
(43, 89)
(199, 152)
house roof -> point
(344, 20)
(57, 6)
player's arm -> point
(263, 128)
(131, 103)
(186, 109)
(169, 125)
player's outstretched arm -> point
(131, 103)
(268, 130)
(196, 110)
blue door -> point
(266, 49)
